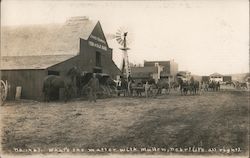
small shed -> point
(227, 78)
(216, 77)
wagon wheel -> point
(3, 91)
(103, 93)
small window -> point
(98, 59)
(51, 72)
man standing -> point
(119, 86)
(147, 87)
(93, 85)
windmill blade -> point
(119, 41)
(118, 37)
(122, 43)
(121, 33)
(118, 33)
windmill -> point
(121, 38)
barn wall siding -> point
(31, 82)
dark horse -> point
(183, 86)
(192, 86)
(52, 85)
(163, 84)
(214, 86)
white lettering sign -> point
(93, 44)
(97, 39)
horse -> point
(185, 88)
(174, 85)
(139, 89)
(231, 83)
(212, 86)
(51, 86)
(191, 86)
(163, 84)
(194, 87)
(241, 85)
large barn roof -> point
(31, 62)
(50, 39)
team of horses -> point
(152, 88)
(124, 88)
(53, 83)
(185, 87)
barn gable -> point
(98, 35)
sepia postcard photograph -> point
(133, 78)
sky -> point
(203, 37)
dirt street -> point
(212, 120)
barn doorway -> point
(97, 70)
(98, 59)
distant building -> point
(205, 79)
(78, 43)
(241, 77)
(227, 78)
(216, 77)
(156, 70)
(184, 75)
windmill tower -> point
(121, 38)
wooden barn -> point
(33, 52)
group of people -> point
(149, 88)
(211, 85)
(196, 87)
(128, 87)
